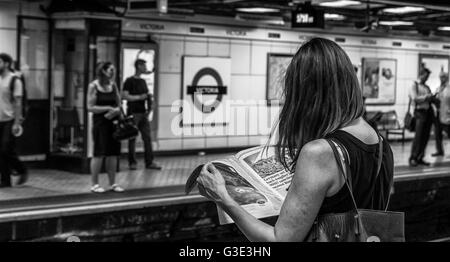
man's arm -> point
(130, 98)
(17, 103)
(127, 96)
(415, 96)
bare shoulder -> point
(317, 150)
(91, 88)
(317, 167)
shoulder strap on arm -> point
(343, 167)
(14, 78)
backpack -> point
(24, 94)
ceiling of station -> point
(425, 17)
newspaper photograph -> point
(264, 164)
(256, 201)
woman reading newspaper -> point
(323, 101)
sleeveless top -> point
(105, 99)
(368, 192)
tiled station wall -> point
(248, 74)
(248, 82)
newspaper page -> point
(262, 162)
(248, 193)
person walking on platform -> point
(421, 97)
(443, 96)
(323, 103)
(11, 92)
(436, 120)
(139, 104)
(104, 102)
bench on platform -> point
(388, 122)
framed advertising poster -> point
(379, 80)
(276, 69)
(436, 64)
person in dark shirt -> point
(139, 104)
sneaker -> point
(132, 166)
(117, 188)
(97, 189)
(153, 166)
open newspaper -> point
(254, 179)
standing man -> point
(139, 104)
(421, 96)
(11, 92)
(436, 120)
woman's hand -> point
(112, 113)
(211, 184)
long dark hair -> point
(101, 67)
(321, 94)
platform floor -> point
(176, 169)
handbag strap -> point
(340, 159)
(119, 99)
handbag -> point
(125, 128)
(357, 225)
(410, 120)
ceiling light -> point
(257, 10)
(340, 3)
(395, 23)
(404, 9)
(334, 17)
(444, 28)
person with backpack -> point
(11, 118)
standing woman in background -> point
(421, 96)
(104, 102)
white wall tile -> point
(258, 88)
(240, 58)
(264, 122)
(281, 48)
(169, 144)
(354, 54)
(194, 143)
(295, 47)
(240, 87)
(170, 55)
(193, 131)
(252, 121)
(169, 88)
(216, 142)
(238, 125)
(219, 48)
(8, 42)
(168, 123)
(196, 48)
(238, 141)
(259, 59)
(211, 131)
(257, 140)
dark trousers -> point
(424, 121)
(8, 156)
(438, 132)
(143, 125)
